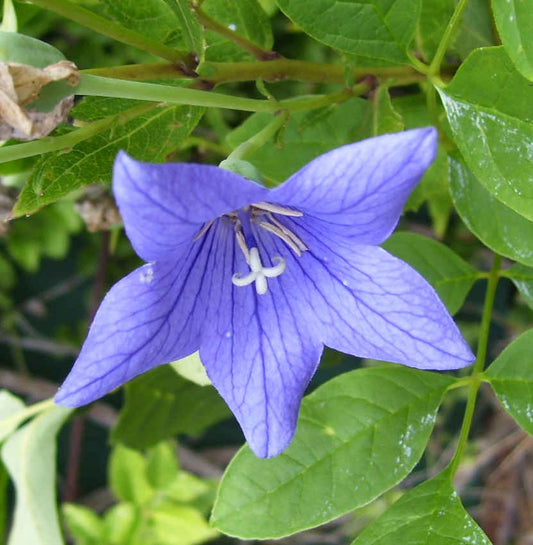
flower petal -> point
(165, 205)
(258, 352)
(360, 189)
(152, 316)
(370, 304)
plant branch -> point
(97, 86)
(455, 20)
(479, 364)
(213, 73)
(261, 138)
(208, 22)
(89, 19)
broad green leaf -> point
(490, 109)
(376, 29)
(173, 524)
(161, 404)
(511, 376)
(430, 514)
(192, 369)
(247, 19)
(476, 29)
(23, 49)
(514, 19)
(496, 225)
(192, 31)
(434, 18)
(385, 118)
(522, 278)
(121, 522)
(128, 477)
(301, 142)
(10, 406)
(85, 526)
(148, 132)
(451, 277)
(161, 464)
(152, 18)
(358, 435)
(30, 458)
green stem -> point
(66, 141)
(17, 419)
(479, 364)
(108, 87)
(208, 22)
(261, 138)
(455, 20)
(104, 26)
(214, 73)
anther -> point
(258, 272)
(276, 209)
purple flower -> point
(260, 280)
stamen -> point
(258, 273)
(297, 240)
(203, 230)
(269, 207)
(276, 231)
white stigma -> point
(258, 273)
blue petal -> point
(363, 301)
(152, 316)
(257, 350)
(164, 205)
(360, 189)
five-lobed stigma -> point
(263, 215)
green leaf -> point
(434, 18)
(431, 513)
(476, 29)
(148, 132)
(451, 277)
(358, 435)
(511, 376)
(83, 524)
(385, 119)
(16, 47)
(498, 227)
(172, 524)
(45, 235)
(514, 19)
(302, 141)
(490, 109)
(30, 458)
(121, 522)
(10, 405)
(192, 368)
(154, 19)
(161, 464)
(128, 476)
(160, 404)
(247, 19)
(376, 29)
(192, 31)
(522, 278)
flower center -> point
(262, 214)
